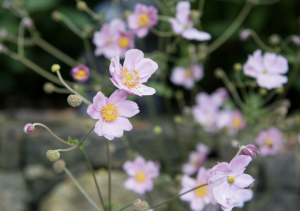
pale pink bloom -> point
(250, 150)
(269, 141)
(244, 34)
(223, 119)
(220, 96)
(236, 123)
(141, 175)
(226, 177)
(267, 69)
(28, 22)
(196, 159)
(201, 196)
(28, 128)
(184, 25)
(136, 70)
(296, 39)
(187, 76)
(125, 42)
(240, 196)
(112, 114)
(80, 73)
(143, 18)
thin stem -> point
(241, 85)
(14, 39)
(21, 39)
(161, 34)
(89, 53)
(61, 90)
(292, 77)
(50, 131)
(86, 136)
(71, 25)
(163, 18)
(270, 96)
(109, 175)
(72, 90)
(123, 208)
(93, 174)
(175, 197)
(231, 29)
(65, 150)
(259, 42)
(200, 6)
(81, 189)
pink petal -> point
(254, 64)
(139, 161)
(183, 11)
(188, 83)
(145, 90)
(275, 64)
(141, 32)
(130, 183)
(222, 193)
(140, 8)
(112, 129)
(243, 181)
(98, 51)
(123, 123)
(198, 72)
(99, 101)
(189, 182)
(148, 184)
(152, 170)
(111, 51)
(188, 196)
(129, 168)
(270, 81)
(194, 34)
(242, 195)
(189, 169)
(132, 21)
(197, 204)
(93, 113)
(99, 127)
(127, 108)
(117, 24)
(202, 175)
(114, 65)
(117, 97)
(222, 167)
(178, 75)
(176, 26)
(132, 57)
(239, 163)
(217, 179)
(146, 67)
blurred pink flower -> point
(220, 96)
(244, 34)
(187, 77)
(141, 174)
(112, 114)
(267, 69)
(184, 25)
(125, 42)
(269, 141)
(296, 39)
(80, 73)
(3, 33)
(240, 196)
(196, 159)
(250, 150)
(201, 196)
(236, 123)
(143, 18)
(135, 71)
(28, 128)
(28, 22)
(225, 178)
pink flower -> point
(296, 39)
(236, 123)
(141, 174)
(113, 40)
(184, 25)
(28, 22)
(250, 150)
(28, 128)
(1, 48)
(267, 69)
(201, 196)
(244, 34)
(187, 77)
(269, 141)
(143, 18)
(80, 73)
(196, 159)
(136, 70)
(112, 114)
(240, 196)
(220, 96)
(225, 178)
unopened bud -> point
(81, 5)
(48, 88)
(127, 13)
(250, 186)
(279, 90)
(55, 67)
(244, 34)
(140, 206)
(56, 15)
(157, 130)
(237, 67)
(179, 94)
(53, 155)
(28, 22)
(194, 16)
(28, 128)
(59, 166)
(262, 91)
(274, 39)
(74, 100)
(177, 119)
(250, 150)
(219, 73)
(3, 33)
(5, 4)
(296, 39)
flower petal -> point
(197, 204)
(271, 81)
(194, 34)
(111, 130)
(127, 108)
(132, 57)
(223, 193)
(129, 168)
(178, 75)
(145, 90)
(117, 97)
(99, 127)
(146, 67)
(132, 21)
(141, 32)
(243, 180)
(189, 182)
(99, 101)
(93, 113)
(183, 11)
(123, 123)
(151, 169)
(275, 64)
(239, 163)
(176, 26)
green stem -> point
(89, 53)
(175, 197)
(270, 96)
(21, 39)
(123, 208)
(200, 6)
(163, 18)
(94, 178)
(71, 25)
(14, 39)
(109, 175)
(61, 90)
(241, 85)
(231, 29)
(86, 136)
(259, 42)
(81, 189)
(162, 34)
(66, 150)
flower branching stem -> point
(109, 175)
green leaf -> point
(76, 141)
(38, 5)
(70, 141)
(82, 145)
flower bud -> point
(53, 155)
(237, 67)
(244, 34)
(55, 67)
(56, 15)
(5, 4)
(279, 90)
(80, 73)
(179, 94)
(74, 100)
(219, 73)
(59, 166)
(3, 33)
(157, 130)
(81, 5)
(28, 128)
(262, 91)
(28, 22)
(140, 206)
(296, 39)
(177, 119)
(250, 150)
(48, 88)
(194, 16)
(274, 39)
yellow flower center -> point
(123, 42)
(200, 192)
(110, 112)
(140, 176)
(237, 122)
(143, 19)
(268, 142)
(231, 179)
(186, 26)
(188, 73)
(131, 77)
(80, 74)
(265, 71)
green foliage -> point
(71, 141)
(78, 18)
(161, 89)
(37, 5)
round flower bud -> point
(59, 166)
(56, 15)
(140, 206)
(28, 22)
(53, 155)
(28, 128)
(157, 129)
(262, 91)
(244, 34)
(219, 73)
(179, 94)
(296, 39)
(279, 90)
(177, 119)
(237, 67)
(74, 100)
(55, 67)
(3, 33)
(274, 39)
(81, 5)
(49, 88)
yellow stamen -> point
(200, 192)
(110, 112)
(80, 74)
(143, 19)
(140, 176)
(131, 79)
(123, 42)
(188, 73)
(231, 179)
(265, 72)
(186, 26)
(268, 142)
(237, 122)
